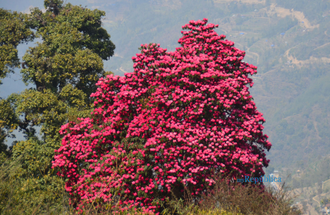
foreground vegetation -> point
(219, 200)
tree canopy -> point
(63, 68)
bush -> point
(28, 195)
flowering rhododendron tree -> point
(177, 119)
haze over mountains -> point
(289, 42)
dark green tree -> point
(13, 31)
(63, 68)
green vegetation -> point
(64, 69)
(14, 30)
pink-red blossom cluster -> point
(178, 118)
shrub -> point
(177, 119)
